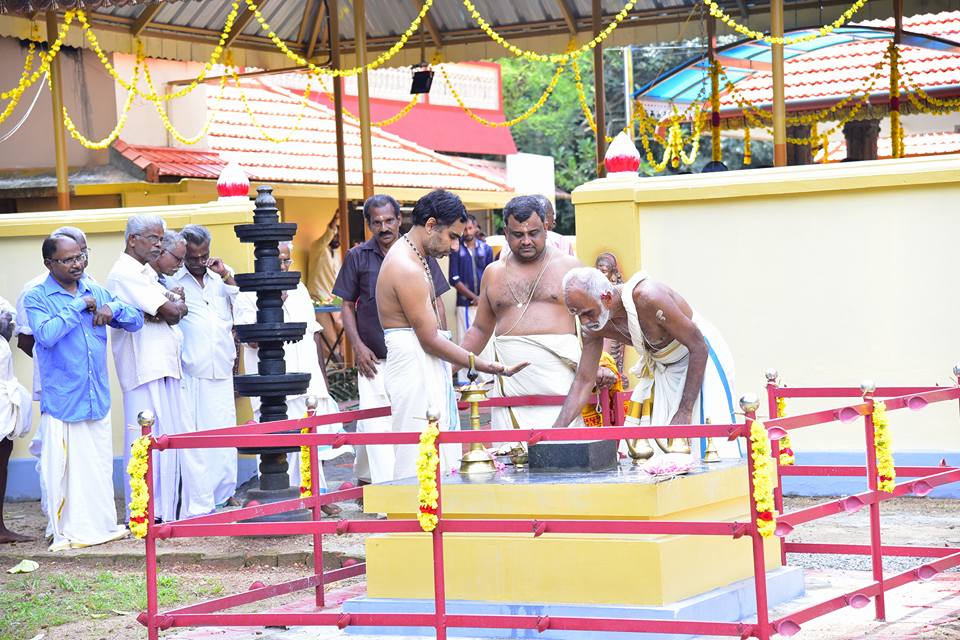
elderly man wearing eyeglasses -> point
(68, 315)
(148, 363)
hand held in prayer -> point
(179, 292)
(103, 316)
(91, 303)
(681, 417)
(366, 361)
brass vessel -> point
(477, 461)
(639, 449)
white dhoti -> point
(16, 410)
(211, 406)
(465, 319)
(76, 471)
(553, 362)
(173, 469)
(662, 374)
(416, 382)
(374, 462)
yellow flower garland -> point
(121, 121)
(253, 118)
(557, 58)
(786, 449)
(306, 474)
(896, 130)
(717, 12)
(28, 78)
(139, 492)
(340, 73)
(427, 463)
(762, 479)
(886, 472)
(747, 148)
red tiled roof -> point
(917, 144)
(831, 73)
(309, 156)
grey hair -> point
(171, 239)
(196, 234)
(286, 243)
(136, 225)
(586, 279)
(73, 233)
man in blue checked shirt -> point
(466, 270)
(69, 315)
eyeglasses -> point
(72, 260)
(287, 262)
(177, 258)
(152, 239)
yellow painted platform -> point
(569, 568)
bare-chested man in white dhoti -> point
(418, 374)
(685, 365)
(521, 309)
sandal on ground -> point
(331, 509)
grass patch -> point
(33, 602)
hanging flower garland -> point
(28, 78)
(139, 492)
(747, 148)
(340, 73)
(253, 118)
(558, 58)
(886, 472)
(717, 12)
(786, 449)
(124, 113)
(306, 474)
(427, 462)
(896, 130)
(153, 96)
(762, 479)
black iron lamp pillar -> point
(271, 382)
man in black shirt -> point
(356, 284)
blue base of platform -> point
(732, 603)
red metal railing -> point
(265, 434)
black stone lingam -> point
(271, 383)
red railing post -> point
(749, 403)
(772, 376)
(146, 420)
(876, 552)
(439, 587)
(315, 509)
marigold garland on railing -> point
(717, 12)
(427, 463)
(306, 474)
(786, 449)
(139, 491)
(556, 58)
(762, 479)
(886, 471)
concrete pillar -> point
(862, 136)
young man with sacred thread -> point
(69, 315)
(356, 285)
(685, 365)
(208, 358)
(148, 364)
(521, 310)
(418, 354)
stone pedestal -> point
(596, 455)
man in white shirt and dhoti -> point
(521, 310)
(303, 356)
(15, 412)
(685, 366)
(418, 355)
(148, 366)
(208, 358)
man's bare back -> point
(651, 300)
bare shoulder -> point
(566, 262)
(650, 291)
